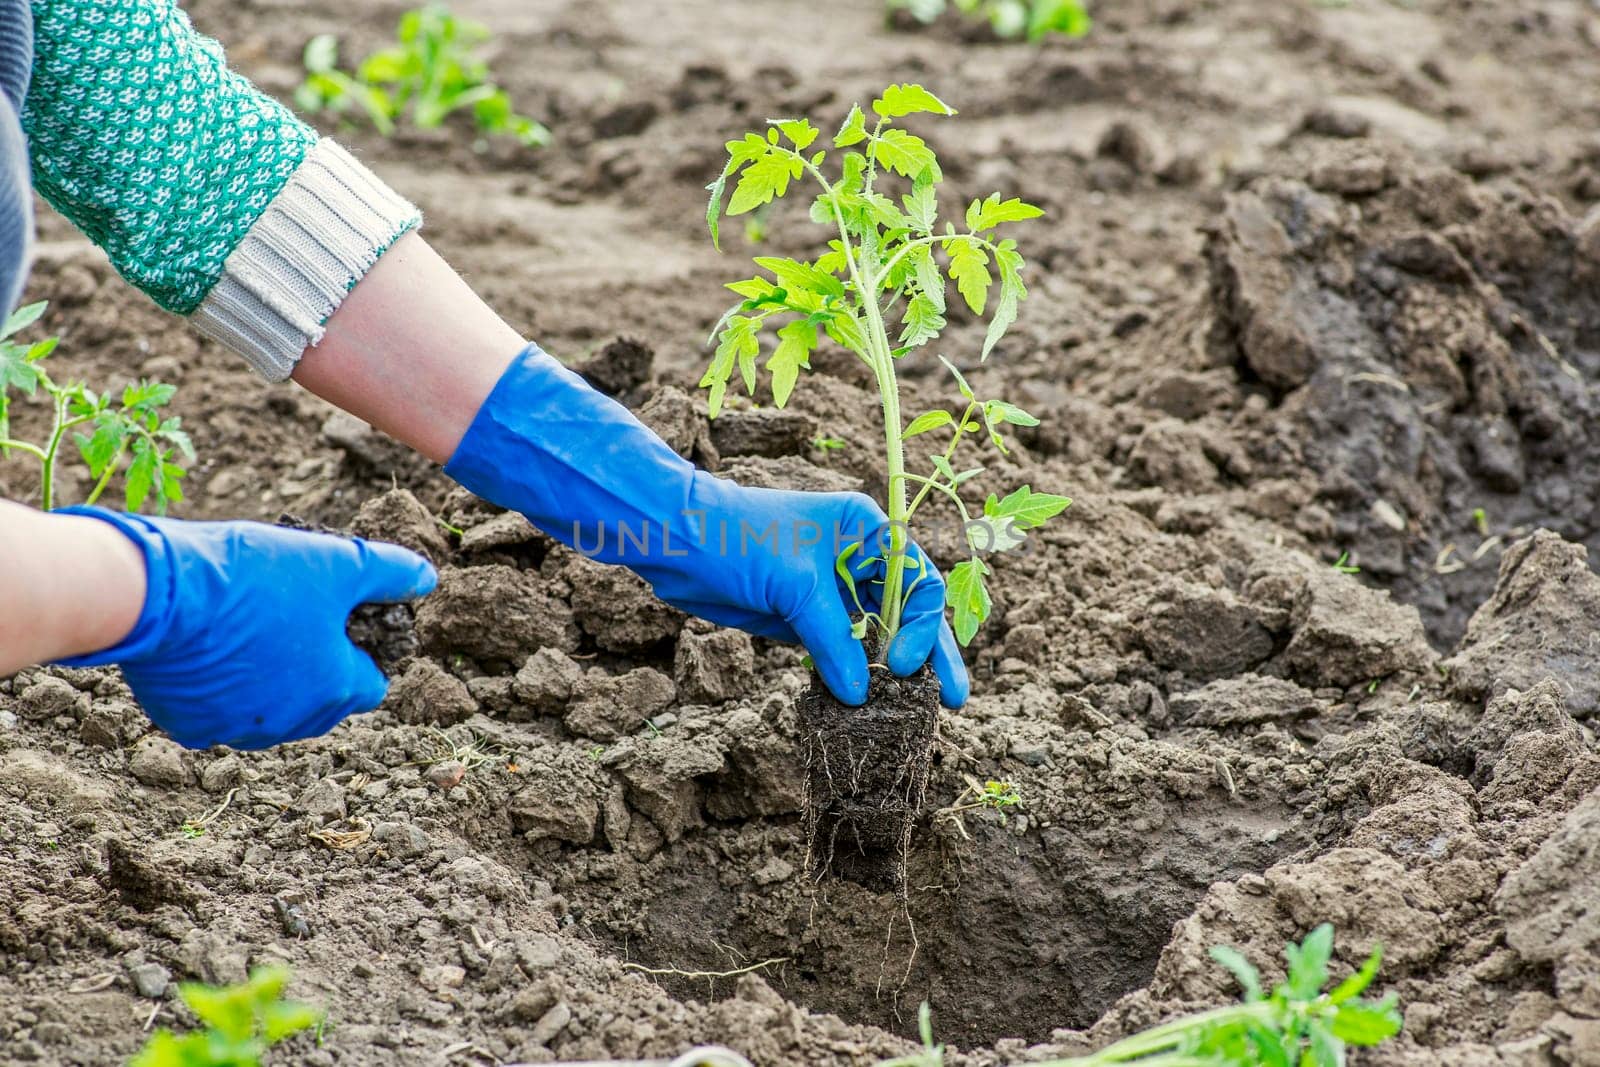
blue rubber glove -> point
(585, 471)
(242, 639)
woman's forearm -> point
(412, 350)
(71, 585)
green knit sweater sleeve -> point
(142, 137)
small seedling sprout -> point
(1344, 566)
(1009, 18)
(127, 434)
(1480, 519)
(431, 72)
(241, 1023)
(889, 257)
(1298, 1024)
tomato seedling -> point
(241, 1023)
(1009, 18)
(131, 435)
(433, 70)
(1296, 1025)
(889, 258)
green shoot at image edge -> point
(1296, 1025)
(433, 71)
(127, 434)
(890, 263)
(1033, 19)
(241, 1023)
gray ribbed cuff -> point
(319, 236)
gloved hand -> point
(586, 472)
(242, 638)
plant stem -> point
(105, 478)
(894, 441)
(24, 446)
(48, 478)
(866, 282)
(1162, 1039)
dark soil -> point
(386, 632)
(1315, 279)
(867, 776)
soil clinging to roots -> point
(867, 776)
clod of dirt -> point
(399, 517)
(143, 884)
(867, 776)
(525, 616)
(790, 472)
(386, 632)
(619, 367)
(680, 420)
(1551, 905)
(1205, 633)
(544, 684)
(713, 665)
(615, 606)
(606, 707)
(427, 693)
(1541, 621)
(762, 432)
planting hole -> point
(1018, 933)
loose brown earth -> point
(1316, 279)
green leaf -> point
(764, 179)
(1308, 962)
(169, 487)
(278, 1021)
(147, 395)
(969, 269)
(1326, 1050)
(1361, 1023)
(932, 420)
(922, 206)
(757, 291)
(1242, 969)
(898, 100)
(15, 370)
(799, 131)
(795, 344)
(739, 343)
(141, 478)
(1001, 411)
(907, 155)
(1012, 293)
(1029, 510)
(22, 318)
(884, 212)
(164, 1049)
(229, 1011)
(961, 381)
(103, 446)
(41, 349)
(923, 321)
(847, 332)
(802, 276)
(929, 280)
(388, 65)
(987, 214)
(1357, 983)
(968, 598)
(854, 130)
(714, 208)
(751, 148)
(1068, 17)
